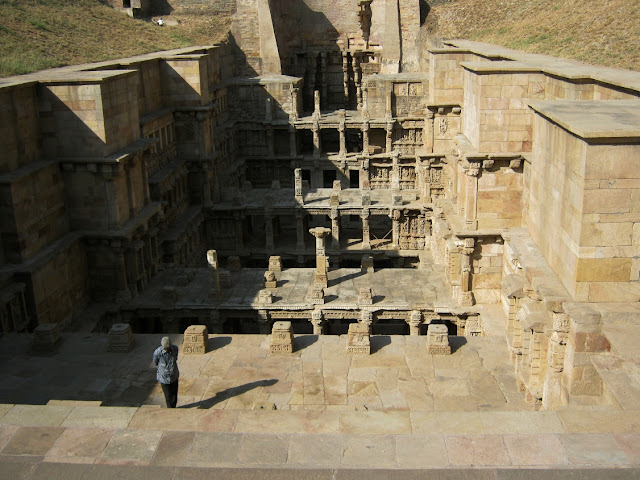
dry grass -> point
(605, 32)
(38, 34)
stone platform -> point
(399, 411)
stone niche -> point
(358, 341)
(195, 340)
(438, 340)
(121, 338)
(281, 338)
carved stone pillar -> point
(415, 319)
(317, 319)
(365, 138)
(395, 218)
(466, 295)
(366, 318)
(366, 240)
(345, 77)
(471, 196)
(335, 228)
(356, 78)
(428, 132)
(395, 170)
(298, 185)
(365, 105)
(343, 140)
(320, 233)
(315, 129)
(389, 144)
(365, 181)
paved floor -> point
(396, 412)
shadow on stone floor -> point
(217, 343)
(303, 341)
(378, 342)
(456, 342)
(230, 392)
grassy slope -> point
(604, 32)
(38, 34)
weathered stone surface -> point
(195, 340)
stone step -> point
(620, 380)
(570, 420)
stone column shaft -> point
(366, 241)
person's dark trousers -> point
(170, 391)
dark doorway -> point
(328, 176)
(354, 179)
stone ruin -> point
(486, 176)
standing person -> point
(165, 357)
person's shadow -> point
(230, 392)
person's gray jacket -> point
(167, 363)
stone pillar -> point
(395, 228)
(471, 197)
(121, 338)
(239, 236)
(389, 130)
(300, 230)
(316, 105)
(366, 240)
(281, 338)
(335, 228)
(356, 78)
(395, 170)
(214, 325)
(365, 105)
(195, 340)
(263, 321)
(298, 185)
(293, 146)
(317, 319)
(268, 110)
(345, 77)
(364, 181)
(268, 230)
(438, 339)
(358, 341)
(366, 318)
(466, 295)
(323, 66)
(271, 147)
(315, 128)
(321, 260)
(365, 138)
(366, 265)
(415, 319)
(343, 140)
(214, 275)
(295, 114)
(428, 132)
